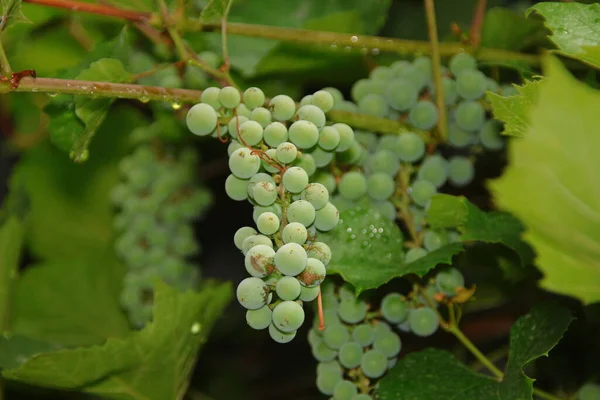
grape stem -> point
(402, 202)
(320, 308)
(477, 23)
(6, 70)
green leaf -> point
(214, 10)
(11, 241)
(152, 364)
(435, 374)
(575, 29)
(73, 303)
(446, 211)
(367, 250)
(17, 349)
(552, 184)
(11, 14)
(514, 110)
(523, 32)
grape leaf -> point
(575, 29)
(11, 241)
(17, 349)
(214, 10)
(11, 14)
(523, 32)
(152, 364)
(446, 211)
(552, 184)
(73, 303)
(435, 374)
(367, 250)
(514, 110)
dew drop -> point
(354, 39)
(196, 328)
(375, 51)
(53, 94)
(144, 99)
(176, 105)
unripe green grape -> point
(469, 115)
(508, 90)
(295, 179)
(274, 208)
(275, 133)
(314, 273)
(353, 185)
(350, 354)
(363, 335)
(255, 240)
(251, 133)
(323, 99)
(424, 115)
(234, 125)
(322, 157)
(344, 390)
(492, 86)
(409, 147)
(329, 138)
(450, 92)
(286, 153)
(373, 104)
(380, 186)
(352, 311)
(461, 171)
(327, 218)
(294, 232)
(252, 293)
(303, 134)
(449, 280)
(259, 319)
(243, 164)
(414, 254)
(268, 223)
(264, 193)
(272, 155)
(210, 96)
(259, 260)
(326, 381)
(346, 136)
(462, 62)
(290, 259)
(316, 194)
(362, 396)
(279, 336)
(471, 84)
(210, 58)
(335, 336)
(489, 135)
(301, 211)
(307, 163)
(242, 111)
(201, 119)
(236, 188)
(306, 100)
(335, 93)
(320, 251)
(361, 88)
(309, 293)
(423, 321)
(282, 107)
(229, 97)
(373, 364)
(288, 316)
(402, 94)
(288, 288)
(435, 170)
(327, 180)
(253, 98)
(261, 115)
(313, 114)
(388, 344)
(458, 137)
(394, 308)
(322, 353)
(422, 191)
(384, 161)
(241, 235)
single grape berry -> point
(201, 119)
(323, 99)
(394, 308)
(259, 261)
(286, 152)
(301, 211)
(282, 107)
(409, 147)
(288, 288)
(288, 316)
(229, 97)
(295, 179)
(423, 321)
(253, 98)
(448, 281)
(259, 319)
(290, 259)
(422, 191)
(280, 336)
(373, 364)
(252, 293)
(303, 134)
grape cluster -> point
(157, 200)
(358, 346)
(274, 152)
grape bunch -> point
(274, 152)
(358, 345)
(157, 200)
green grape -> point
(414, 254)
(264, 193)
(335, 336)
(492, 86)
(435, 170)
(314, 273)
(201, 119)
(353, 185)
(290, 259)
(233, 127)
(253, 98)
(350, 354)
(364, 335)
(409, 147)
(242, 111)
(385, 208)
(288, 288)
(508, 90)
(320, 251)
(306, 100)
(422, 191)
(252, 293)
(394, 308)
(294, 232)
(589, 391)
(259, 319)
(309, 294)
(433, 240)
(450, 92)
(236, 188)
(373, 364)
(329, 365)
(449, 280)
(307, 163)
(344, 390)
(462, 62)
(381, 73)
(243, 164)
(362, 396)
(469, 115)
(327, 180)
(384, 161)
(392, 362)
(323, 99)
(255, 240)
(424, 115)
(210, 96)
(458, 137)
(210, 58)
(423, 69)
(267, 223)
(229, 97)
(368, 140)
(388, 344)
(313, 114)
(303, 134)
(301, 211)
(346, 136)
(489, 135)
(274, 208)
(380, 186)
(373, 104)
(329, 138)
(241, 235)
(287, 153)
(360, 89)
(471, 84)
(282, 107)
(261, 115)
(288, 316)
(347, 106)
(295, 179)
(352, 311)
(327, 218)
(322, 353)
(279, 336)
(275, 133)
(326, 381)
(423, 321)
(316, 194)
(271, 153)
(401, 94)
(335, 93)
(251, 133)
(461, 171)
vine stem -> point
(437, 69)
(477, 23)
(6, 70)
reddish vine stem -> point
(320, 307)
(95, 9)
(477, 23)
